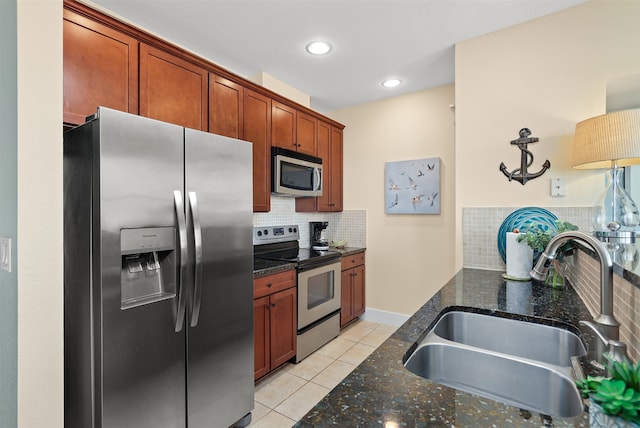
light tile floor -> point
(285, 396)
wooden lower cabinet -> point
(274, 319)
(352, 289)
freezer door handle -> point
(182, 238)
(197, 239)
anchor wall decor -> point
(526, 159)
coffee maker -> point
(318, 241)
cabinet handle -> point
(273, 305)
(269, 285)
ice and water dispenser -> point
(148, 272)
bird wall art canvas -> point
(412, 186)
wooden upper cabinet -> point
(225, 107)
(283, 126)
(307, 133)
(100, 68)
(324, 152)
(337, 167)
(330, 151)
(172, 89)
(257, 130)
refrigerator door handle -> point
(182, 237)
(197, 238)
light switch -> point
(558, 187)
(5, 253)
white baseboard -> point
(384, 317)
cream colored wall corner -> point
(409, 257)
(547, 75)
(40, 248)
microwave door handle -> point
(181, 274)
(197, 238)
(318, 179)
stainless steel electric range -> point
(318, 283)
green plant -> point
(538, 236)
(618, 395)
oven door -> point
(318, 292)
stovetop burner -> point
(281, 243)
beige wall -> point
(546, 75)
(40, 283)
(409, 257)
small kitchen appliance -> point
(319, 286)
(318, 240)
(295, 174)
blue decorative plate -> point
(521, 219)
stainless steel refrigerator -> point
(158, 300)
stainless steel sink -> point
(519, 363)
(538, 342)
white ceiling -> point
(372, 39)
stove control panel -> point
(272, 234)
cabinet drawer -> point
(273, 283)
(353, 260)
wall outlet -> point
(558, 187)
(5, 254)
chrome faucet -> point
(606, 327)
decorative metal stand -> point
(526, 159)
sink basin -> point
(520, 363)
(538, 342)
(516, 382)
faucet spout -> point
(605, 321)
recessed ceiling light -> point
(318, 48)
(391, 83)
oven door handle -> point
(310, 266)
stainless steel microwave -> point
(295, 174)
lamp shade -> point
(612, 138)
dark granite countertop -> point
(347, 251)
(380, 392)
(269, 267)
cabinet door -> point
(172, 89)
(283, 326)
(358, 291)
(336, 169)
(100, 68)
(261, 337)
(225, 107)
(307, 131)
(324, 151)
(257, 130)
(330, 150)
(346, 298)
(283, 126)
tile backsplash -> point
(348, 225)
(480, 232)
